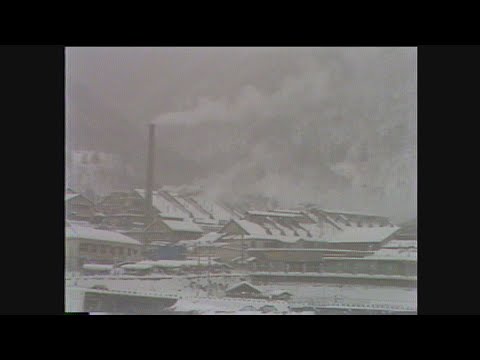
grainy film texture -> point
(246, 181)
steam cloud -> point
(349, 121)
(335, 126)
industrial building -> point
(78, 207)
(86, 245)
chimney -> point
(150, 175)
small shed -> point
(244, 289)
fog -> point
(333, 126)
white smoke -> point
(360, 101)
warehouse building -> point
(86, 245)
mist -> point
(333, 126)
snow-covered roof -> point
(272, 213)
(70, 196)
(332, 221)
(213, 305)
(217, 210)
(182, 226)
(278, 292)
(196, 210)
(313, 229)
(362, 234)
(178, 263)
(243, 283)
(400, 244)
(281, 238)
(251, 227)
(287, 230)
(161, 243)
(340, 251)
(166, 207)
(83, 232)
(137, 266)
(298, 212)
(377, 257)
(204, 221)
(124, 215)
(206, 239)
(238, 259)
(395, 253)
(97, 267)
(355, 213)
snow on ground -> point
(186, 287)
(175, 285)
(214, 305)
(312, 293)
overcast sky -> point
(335, 126)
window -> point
(129, 252)
(103, 249)
(83, 247)
(112, 250)
(93, 248)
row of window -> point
(105, 249)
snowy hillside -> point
(97, 173)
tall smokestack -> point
(150, 174)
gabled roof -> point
(182, 226)
(244, 284)
(250, 227)
(72, 196)
(164, 205)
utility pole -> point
(208, 273)
(243, 249)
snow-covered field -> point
(188, 287)
(314, 294)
